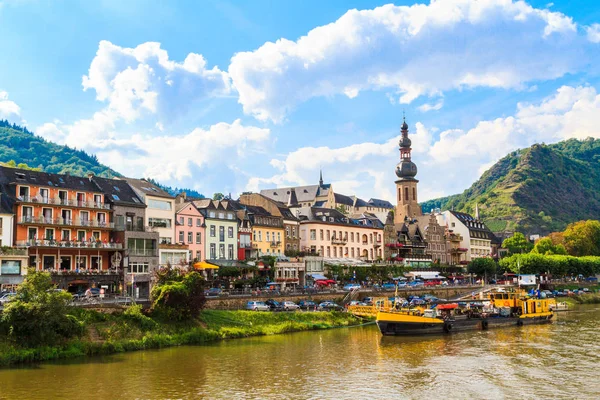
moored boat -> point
(499, 310)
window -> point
(268, 236)
(199, 255)
(213, 252)
(190, 237)
(138, 268)
(313, 234)
(180, 221)
(221, 234)
(10, 267)
(66, 235)
(221, 251)
(198, 237)
(159, 204)
(254, 236)
(159, 222)
(190, 222)
(230, 232)
(95, 262)
(279, 236)
(221, 215)
(259, 236)
(81, 236)
(211, 214)
(229, 216)
(294, 232)
(49, 234)
(287, 231)
(212, 231)
(80, 262)
(198, 222)
(230, 252)
(180, 236)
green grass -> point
(116, 333)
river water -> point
(555, 361)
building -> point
(221, 229)
(7, 220)
(190, 228)
(66, 225)
(331, 234)
(245, 251)
(435, 238)
(476, 237)
(290, 274)
(267, 232)
(291, 224)
(406, 186)
(303, 196)
(140, 241)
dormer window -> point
(20, 176)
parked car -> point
(401, 284)
(415, 283)
(306, 304)
(548, 294)
(330, 306)
(368, 301)
(274, 305)
(432, 282)
(257, 306)
(357, 303)
(388, 286)
(7, 297)
(213, 292)
(290, 306)
(351, 286)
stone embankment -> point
(239, 303)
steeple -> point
(406, 185)
(320, 177)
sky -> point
(233, 96)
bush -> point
(134, 313)
(38, 315)
(179, 299)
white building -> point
(477, 238)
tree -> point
(583, 238)
(178, 295)
(38, 314)
(218, 196)
(342, 209)
(517, 243)
(546, 247)
(482, 266)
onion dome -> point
(406, 169)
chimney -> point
(180, 198)
(90, 175)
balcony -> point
(63, 202)
(339, 241)
(134, 228)
(275, 244)
(72, 244)
(9, 251)
(27, 219)
(143, 252)
(459, 250)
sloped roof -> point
(303, 193)
(380, 203)
(118, 192)
(343, 199)
(476, 227)
(22, 176)
(143, 188)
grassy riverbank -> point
(132, 330)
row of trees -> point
(579, 239)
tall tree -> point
(583, 238)
(517, 243)
(482, 266)
(218, 196)
(546, 247)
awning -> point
(318, 277)
(205, 265)
(425, 275)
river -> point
(558, 360)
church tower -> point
(406, 185)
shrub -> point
(134, 313)
(180, 299)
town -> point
(94, 232)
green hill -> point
(540, 189)
(23, 147)
(19, 146)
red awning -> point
(450, 306)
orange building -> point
(64, 221)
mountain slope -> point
(536, 190)
(22, 146)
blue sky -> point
(233, 96)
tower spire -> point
(320, 177)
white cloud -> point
(417, 50)
(450, 163)
(143, 79)
(432, 107)
(593, 33)
(8, 107)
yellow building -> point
(268, 234)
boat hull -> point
(395, 325)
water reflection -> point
(553, 361)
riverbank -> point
(132, 330)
